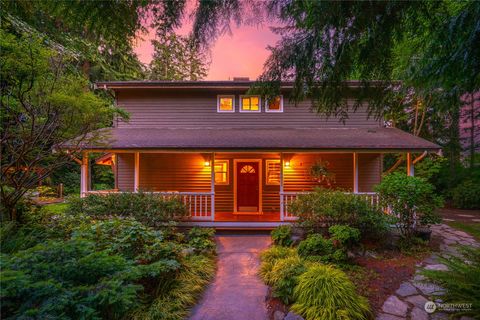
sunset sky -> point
(239, 54)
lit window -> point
(226, 103)
(273, 172)
(250, 103)
(247, 169)
(274, 105)
(221, 171)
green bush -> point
(150, 209)
(466, 195)
(346, 235)
(410, 199)
(326, 293)
(202, 239)
(462, 280)
(325, 207)
(270, 256)
(282, 235)
(284, 277)
(67, 280)
(317, 248)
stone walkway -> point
(236, 293)
(408, 302)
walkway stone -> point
(236, 292)
(411, 296)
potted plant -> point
(320, 173)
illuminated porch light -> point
(287, 164)
(206, 163)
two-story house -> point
(237, 160)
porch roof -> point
(282, 139)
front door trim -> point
(260, 179)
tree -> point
(45, 103)
(177, 58)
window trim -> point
(227, 181)
(249, 96)
(267, 109)
(225, 96)
(267, 161)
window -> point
(273, 172)
(249, 103)
(225, 103)
(221, 171)
(247, 169)
(274, 105)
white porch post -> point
(410, 166)
(282, 213)
(84, 175)
(355, 172)
(212, 191)
(136, 173)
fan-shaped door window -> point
(247, 169)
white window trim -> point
(249, 96)
(267, 109)
(225, 96)
(227, 182)
(267, 169)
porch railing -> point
(198, 204)
(286, 199)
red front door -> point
(247, 187)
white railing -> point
(286, 199)
(198, 204)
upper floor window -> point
(274, 105)
(249, 103)
(226, 103)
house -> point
(237, 160)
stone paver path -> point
(409, 300)
(236, 292)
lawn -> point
(472, 228)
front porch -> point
(238, 190)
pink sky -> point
(239, 54)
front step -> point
(233, 225)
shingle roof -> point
(263, 139)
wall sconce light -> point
(206, 163)
(287, 164)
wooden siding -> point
(369, 171)
(198, 109)
(125, 171)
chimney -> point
(246, 79)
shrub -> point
(325, 207)
(315, 245)
(270, 256)
(462, 280)
(284, 277)
(150, 209)
(202, 239)
(282, 235)
(346, 235)
(409, 198)
(66, 280)
(467, 195)
(326, 293)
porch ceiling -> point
(281, 139)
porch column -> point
(136, 173)
(410, 167)
(282, 213)
(212, 191)
(84, 175)
(355, 172)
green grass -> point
(469, 227)
(55, 208)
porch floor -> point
(244, 217)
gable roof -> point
(274, 139)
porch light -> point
(287, 164)
(207, 163)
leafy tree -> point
(44, 105)
(177, 58)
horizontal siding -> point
(369, 171)
(159, 109)
(125, 171)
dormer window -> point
(249, 103)
(226, 103)
(274, 105)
